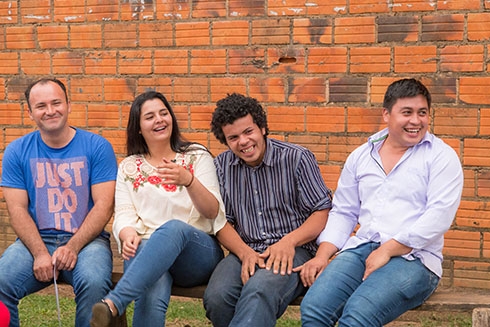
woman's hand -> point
(130, 241)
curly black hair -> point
(233, 107)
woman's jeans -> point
(260, 302)
(91, 277)
(339, 294)
(175, 253)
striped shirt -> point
(266, 202)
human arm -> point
(280, 255)
(310, 270)
(204, 201)
(379, 257)
(26, 229)
(66, 256)
(230, 239)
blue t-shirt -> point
(58, 181)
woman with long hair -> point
(167, 210)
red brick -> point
(331, 175)
(86, 89)
(192, 34)
(475, 152)
(119, 89)
(11, 113)
(135, 62)
(68, 11)
(243, 61)
(78, 115)
(321, 8)
(462, 58)
(159, 84)
(155, 35)
(67, 63)
(397, 28)
(442, 28)
(170, 10)
(221, 86)
(267, 89)
(473, 214)
(469, 187)
(325, 119)
(411, 59)
(86, 36)
(102, 10)
(104, 115)
(286, 60)
(8, 12)
(458, 5)
(474, 90)
(339, 147)
(456, 121)
(370, 60)
(270, 32)
(312, 31)
(462, 244)
(327, 60)
(412, 5)
(246, 8)
(54, 37)
(368, 6)
(101, 62)
(368, 120)
(354, 30)
(289, 119)
(171, 61)
(208, 61)
(307, 89)
(120, 35)
(35, 11)
(230, 33)
(315, 143)
(9, 61)
(483, 186)
(191, 89)
(378, 88)
(19, 37)
(209, 9)
(118, 140)
(478, 26)
(137, 11)
(200, 116)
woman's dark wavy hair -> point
(135, 142)
(233, 107)
(42, 81)
(405, 88)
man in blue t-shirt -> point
(58, 183)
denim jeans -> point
(175, 253)
(260, 302)
(91, 277)
(339, 294)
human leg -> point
(159, 254)
(17, 278)
(388, 292)
(324, 301)
(91, 278)
(266, 295)
(202, 251)
(223, 290)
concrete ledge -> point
(480, 317)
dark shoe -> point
(101, 315)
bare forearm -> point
(27, 231)
(203, 200)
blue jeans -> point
(175, 253)
(339, 294)
(260, 302)
(91, 277)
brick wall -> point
(319, 67)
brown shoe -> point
(101, 315)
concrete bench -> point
(474, 301)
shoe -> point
(101, 315)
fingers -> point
(64, 258)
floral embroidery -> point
(139, 173)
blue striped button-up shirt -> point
(266, 202)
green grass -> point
(40, 310)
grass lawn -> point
(40, 310)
